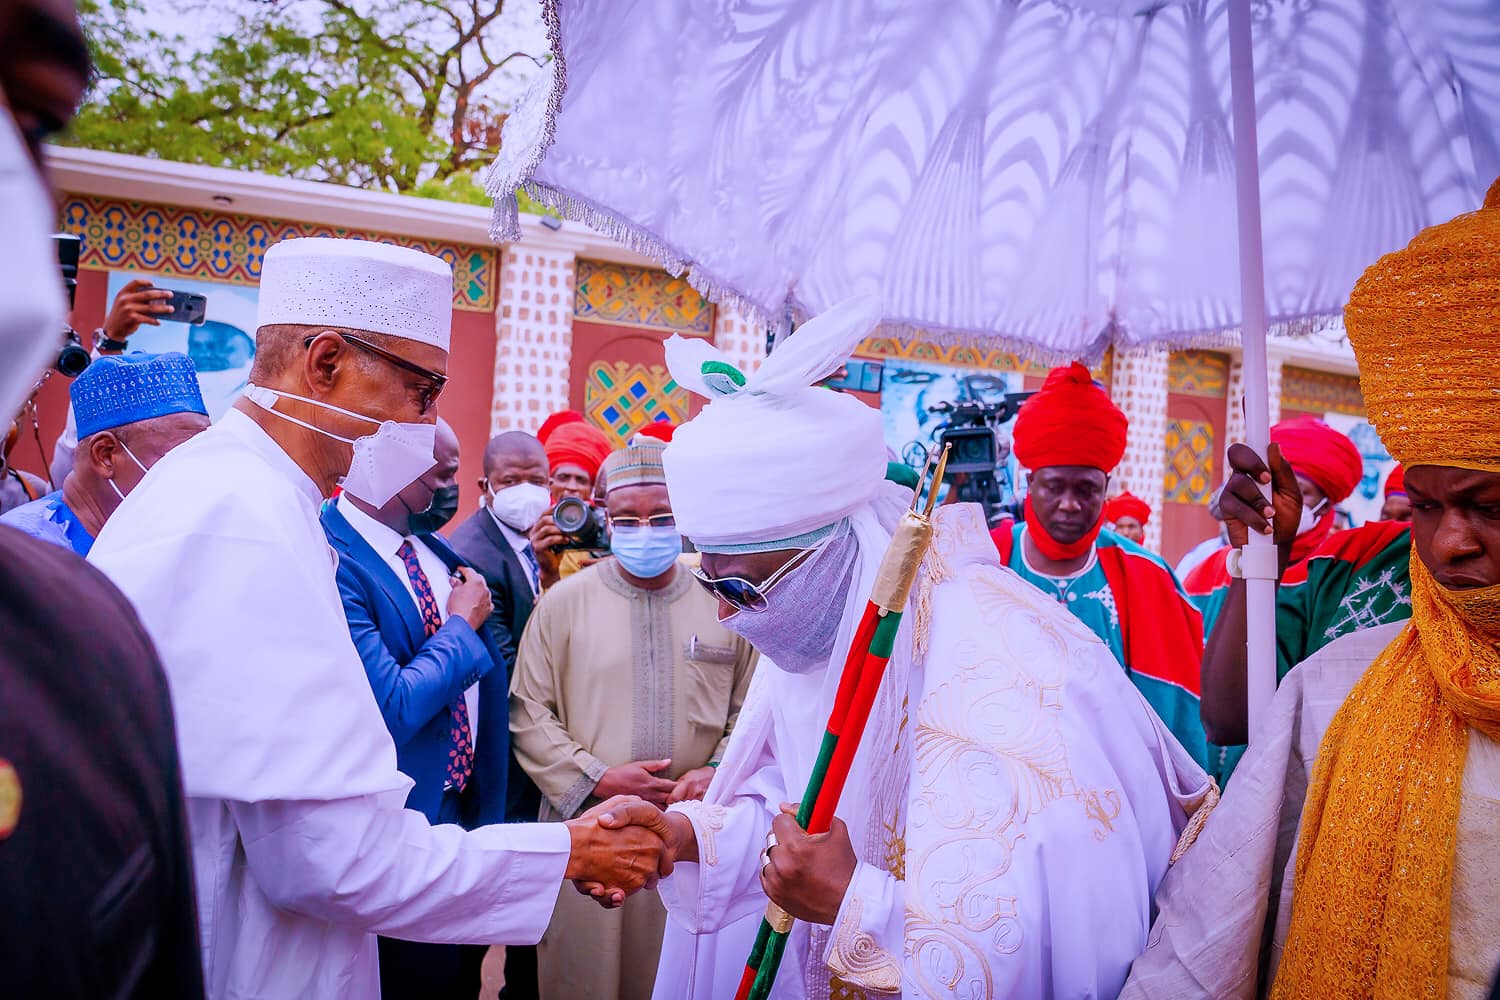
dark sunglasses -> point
(741, 594)
(436, 380)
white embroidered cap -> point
(357, 285)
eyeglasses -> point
(428, 395)
(741, 594)
(654, 521)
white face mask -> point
(520, 505)
(30, 284)
(1308, 519)
(138, 465)
(384, 464)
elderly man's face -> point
(384, 390)
(1456, 524)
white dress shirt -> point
(388, 545)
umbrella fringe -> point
(502, 179)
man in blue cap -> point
(131, 410)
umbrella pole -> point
(1259, 561)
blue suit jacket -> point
(416, 678)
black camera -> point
(582, 526)
(72, 359)
(974, 457)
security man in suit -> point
(419, 617)
(499, 541)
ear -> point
(103, 449)
(327, 357)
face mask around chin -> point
(520, 506)
(803, 612)
(1308, 519)
(439, 512)
(384, 463)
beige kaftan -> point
(1217, 903)
(609, 673)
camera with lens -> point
(971, 437)
(583, 527)
(72, 359)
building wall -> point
(170, 244)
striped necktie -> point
(461, 754)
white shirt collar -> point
(518, 540)
(381, 538)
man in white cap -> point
(1014, 801)
(302, 848)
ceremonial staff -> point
(864, 668)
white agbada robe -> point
(1014, 803)
(302, 848)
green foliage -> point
(383, 94)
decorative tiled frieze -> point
(191, 243)
(607, 292)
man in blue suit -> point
(417, 617)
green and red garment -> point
(1354, 580)
(1131, 600)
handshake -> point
(623, 845)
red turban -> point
(580, 444)
(1071, 421)
(558, 419)
(1395, 483)
(1127, 504)
(659, 429)
(1322, 454)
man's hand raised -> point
(1243, 508)
(138, 302)
(619, 847)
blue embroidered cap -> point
(114, 391)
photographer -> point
(575, 451)
(138, 303)
(17, 486)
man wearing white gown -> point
(302, 848)
(1014, 802)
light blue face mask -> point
(645, 552)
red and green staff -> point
(864, 668)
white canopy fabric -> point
(1050, 176)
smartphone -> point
(187, 307)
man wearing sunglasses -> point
(625, 684)
(302, 848)
(1013, 801)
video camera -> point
(582, 526)
(971, 435)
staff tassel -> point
(864, 668)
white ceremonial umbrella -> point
(1046, 176)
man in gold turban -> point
(1361, 830)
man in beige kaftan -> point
(624, 680)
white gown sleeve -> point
(359, 862)
(869, 933)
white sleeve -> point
(869, 933)
(356, 861)
(724, 886)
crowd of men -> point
(272, 725)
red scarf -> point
(1051, 547)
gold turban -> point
(1425, 325)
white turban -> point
(773, 457)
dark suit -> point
(416, 679)
(482, 546)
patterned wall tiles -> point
(533, 337)
(1190, 462)
(965, 356)
(742, 340)
(1198, 373)
(1321, 392)
(636, 296)
(190, 243)
(1139, 388)
(620, 397)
